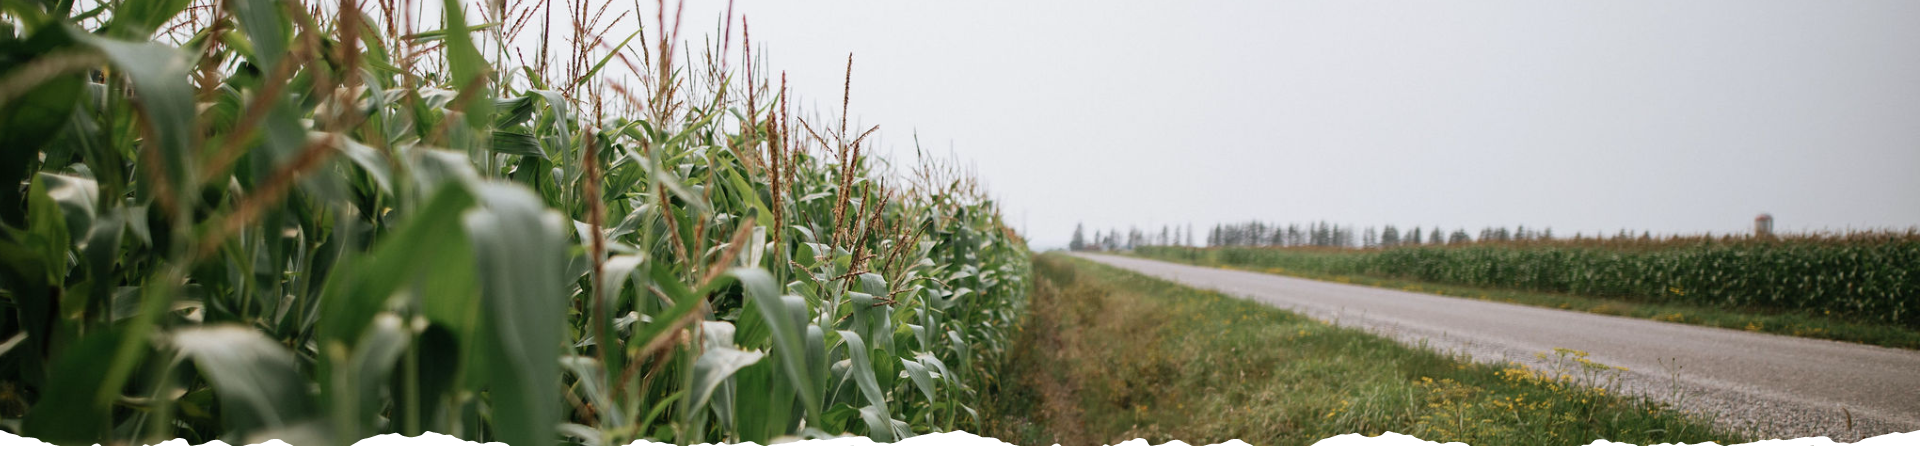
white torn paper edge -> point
(957, 442)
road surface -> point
(1778, 386)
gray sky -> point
(1652, 115)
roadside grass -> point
(1771, 322)
(1107, 355)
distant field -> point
(1863, 288)
(1107, 355)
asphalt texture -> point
(1773, 386)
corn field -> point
(245, 220)
(1864, 277)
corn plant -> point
(244, 220)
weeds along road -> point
(1779, 386)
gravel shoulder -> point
(1776, 386)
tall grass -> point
(256, 219)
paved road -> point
(1778, 385)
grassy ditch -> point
(1332, 265)
(1107, 355)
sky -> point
(1582, 116)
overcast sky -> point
(1674, 117)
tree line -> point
(1169, 236)
(1311, 234)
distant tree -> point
(1164, 236)
(1079, 241)
(1370, 238)
(1459, 236)
(1414, 236)
(1389, 236)
(1434, 238)
(1548, 234)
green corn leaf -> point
(49, 234)
(68, 413)
(374, 357)
(517, 243)
(946, 376)
(422, 244)
(159, 76)
(516, 143)
(258, 381)
(921, 379)
(591, 374)
(469, 69)
(139, 20)
(603, 61)
(437, 35)
(27, 123)
(713, 367)
(514, 111)
(879, 427)
(861, 372)
(367, 158)
(788, 336)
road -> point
(1779, 386)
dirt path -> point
(1039, 402)
(1059, 395)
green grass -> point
(1107, 355)
(1783, 322)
